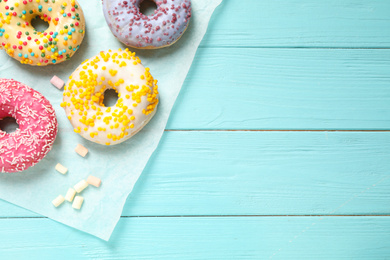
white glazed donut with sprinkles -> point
(24, 43)
(84, 94)
(37, 126)
(161, 29)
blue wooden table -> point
(278, 147)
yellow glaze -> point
(58, 43)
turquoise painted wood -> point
(286, 89)
(281, 89)
(222, 194)
(300, 23)
(262, 173)
(203, 238)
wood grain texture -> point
(285, 89)
(300, 23)
(262, 173)
(203, 238)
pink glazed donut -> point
(137, 30)
(37, 126)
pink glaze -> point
(137, 30)
(37, 126)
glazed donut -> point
(37, 126)
(84, 95)
(137, 30)
(57, 44)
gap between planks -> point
(218, 216)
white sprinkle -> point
(79, 187)
(61, 169)
(70, 195)
(78, 201)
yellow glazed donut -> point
(58, 43)
(84, 95)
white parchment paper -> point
(118, 166)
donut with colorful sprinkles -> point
(56, 44)
(37, 126)
(137, 30)
(84, 94)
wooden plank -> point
(203, 238)
(285, 89)
(300, 23)
(281, 89)
(262, 173)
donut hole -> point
(147, 7)
(39, 24)
(110, 97)
(8, 125)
